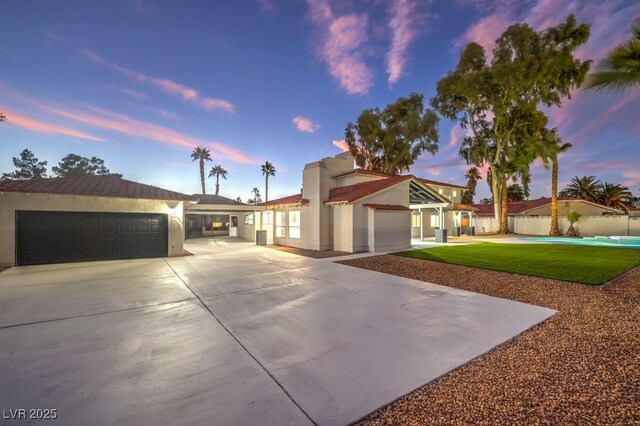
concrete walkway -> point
(234, 335)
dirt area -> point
(186, 253)
(4, 268)
(582, 366)
(317, 254)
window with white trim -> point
(280, 225)
(415, 221)
(294, 224)
(248, 219)
(267, 218)
(435, 221)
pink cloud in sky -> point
(434, 171)
(267, 6)
(342, 144)
(485, 32)
(341, 45)
(305, 125)
(405, 24)
(170, 87)
(42, 127)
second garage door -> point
(59, 237)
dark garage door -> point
(59, 237)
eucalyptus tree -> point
(500, 101)
(392, 139)
(267, 169)
(201, 155)
(219, 172)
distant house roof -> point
(435, 182)
(217, 199)
(350, 193)
(291, 200)
(460, 206)
(101, 186)
(520, 207)
(387, 207)
(363, 172)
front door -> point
(233, 226)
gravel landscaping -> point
(316, 254)
(582, 366)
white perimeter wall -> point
(12, 201)
(587, 226)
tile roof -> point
(460, 206)
(217, 199)
(350, 193)
(363, 172)
(291, 200)
(519, 207)
(101, 186)
(388, 207)
(435, 182)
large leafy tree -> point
(267, 169)
(201, 155)
(27, 167)
(75, 165)
(473, 176)
(620, 70)
(499, 102)
(585, 187)
(219, 172)
(391, 140)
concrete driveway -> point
(235, 335)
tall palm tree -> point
(473, 176)
(585, 188)
(219, 172)
(620, 69)
(615, 195)
(201, 154)
(554, 230)
(268, 169)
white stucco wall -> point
(12, 201)
(354, 178)
(246, 231)
(587, 226)
(388, 230)
(343, 227)
(564, 207)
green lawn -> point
(588, 265)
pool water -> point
(629, 242)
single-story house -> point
(542, 207)
(215, 215)
(346, 209)
(85, 218)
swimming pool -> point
(628, 242)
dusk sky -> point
(139, 83)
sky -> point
(140, 83)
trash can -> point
(261, 238)
(456, 231)
(441, 235)
(471, 230)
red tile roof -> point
(291, 200)
(435, 182)
(388, 207)
(363, 172)
(350, 193)
(519, 207)
(101, 186)
(460, 206)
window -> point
(455, 193)
(435, 221)
(267, 218)
(440, 191)
(415, 221)
(294, 224)
(248, 219)
(280, 225)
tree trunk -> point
(202, 175)
(554, 231)
(266, 188)
(504, 217)
(495, 193)
(217, 184)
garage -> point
(59, 237)
(88, 218)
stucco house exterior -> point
(83, 218)
(542, 207)
(215, 215)
(353, 210)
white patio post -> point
(421, 226)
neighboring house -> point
(215, 215)
(542, 207)
(357, 210)
(87, 218)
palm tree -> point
(268, 169)
(515, 193)
(473, 176)
(201, 154)
(620, 69)
(585, 187)
(219, 172)
(615, 195)
(256, 196)
(554, 229)
(572, 217)
(2, 117)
